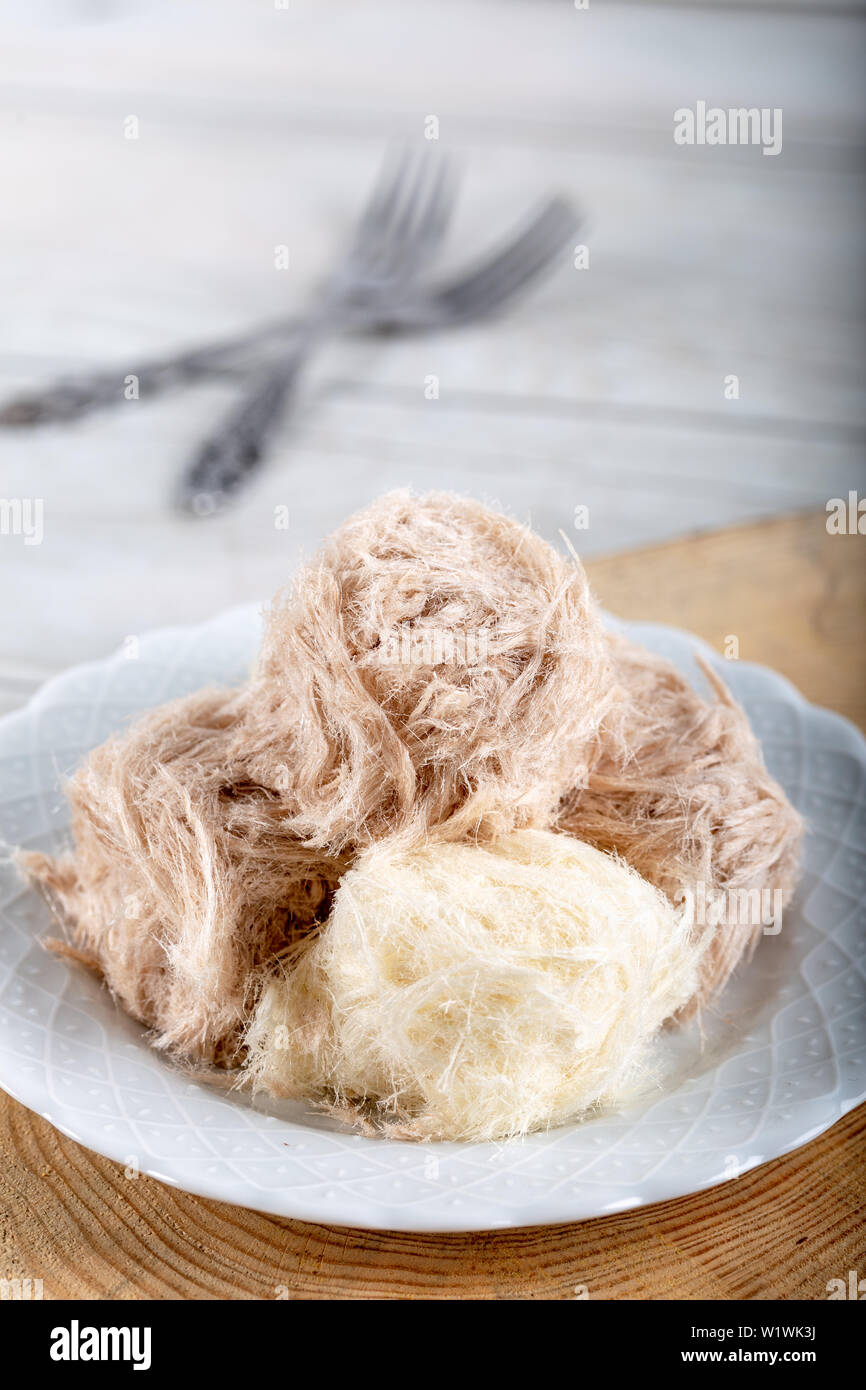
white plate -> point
(782, 1058)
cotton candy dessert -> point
(476, 991)
(427, 868)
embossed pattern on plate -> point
(783, 1054)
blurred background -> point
(261, 125)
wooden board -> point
(263, 126)
(73, 1220)
(783, 1231)
(793, 595)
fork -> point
(365, 306)
(232, 454)
(407, 215)
(404, 222)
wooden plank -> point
(694, 275)
(792, 594)
(75, 1221)
(125, 563)
(782, 1231)
(545, 72)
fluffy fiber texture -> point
(438, 675)
(476, 992)
(680, 790)
(438, 669)
(184, 882)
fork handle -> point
(235, 449)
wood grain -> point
(73, 1220)
(792, 594)
(605, 387)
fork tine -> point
(399, 237)
(545, 231)
(494, 294)
(440, 201)
(395, 232)
(521, 261)
(384, 198)
(407, 219)
(425, 215)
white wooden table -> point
(260, 126)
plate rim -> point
(351, 1210)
